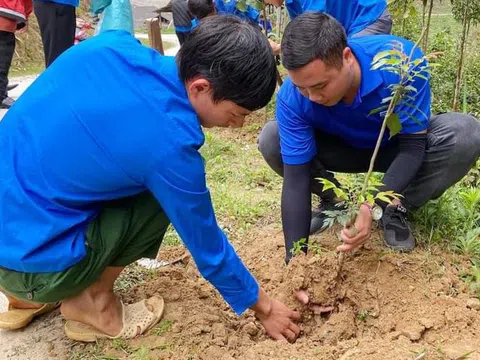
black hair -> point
(234, 56)
(311, 36)
(201, 8)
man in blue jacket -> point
(90, 185)
(325, 124)
(358, 17)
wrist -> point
(375, 211)
(263, 306)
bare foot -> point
(101, 310)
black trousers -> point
(453, 147)
(7, 48)
(182, 36)
(57, 24)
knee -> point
(269, 141)
(467, 134)
(461, 129)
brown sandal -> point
(15, 319)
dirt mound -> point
(386, 306)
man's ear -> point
(198, 86)
(347, 56)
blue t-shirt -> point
(354, 15)
(298, 117)
(230, 8)
(109, 119)
(75, 3)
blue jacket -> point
(122, 124)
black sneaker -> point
(320, 220)
(7, 103)
(396, 232)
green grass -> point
(133, 276)
(27, 69)
(170, 30)
(166, 44)
(162, 328)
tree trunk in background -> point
(424, 12)
(458, 82)
(429, 18)
(404, 20)
(279, 21)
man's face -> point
(222, 114)
(324, 84)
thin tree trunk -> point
(424, 12)
(404, 20)
(458, 81)
(279, 21)
(429, 18)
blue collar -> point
(370, 79)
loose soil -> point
(386, 306)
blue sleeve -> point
(314, 5)
(414, 111)
(297, 138)
(252, 14)
(180, 187)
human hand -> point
(360, 233)
(276, 318)
(302, 296)
(275, 47)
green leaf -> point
(327, 184)
(387, 99)
(384, 54)
(242, 5)
(378, 64)
(258, 5)
(394, 125)
(340, 194)
(370, 199)
(377, 110)
(384, 198)
(416, 109)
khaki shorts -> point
(125, 230)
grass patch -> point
(132, 276)
(88, 352)
(162, 328)
(170, 30)
(166, 44)
(244, 189)
(27, 69)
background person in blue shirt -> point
(358, 17)
(324, 125)
(57, 22)
(88, 186)
(204, 8)
(183, 20)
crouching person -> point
(88, 185)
